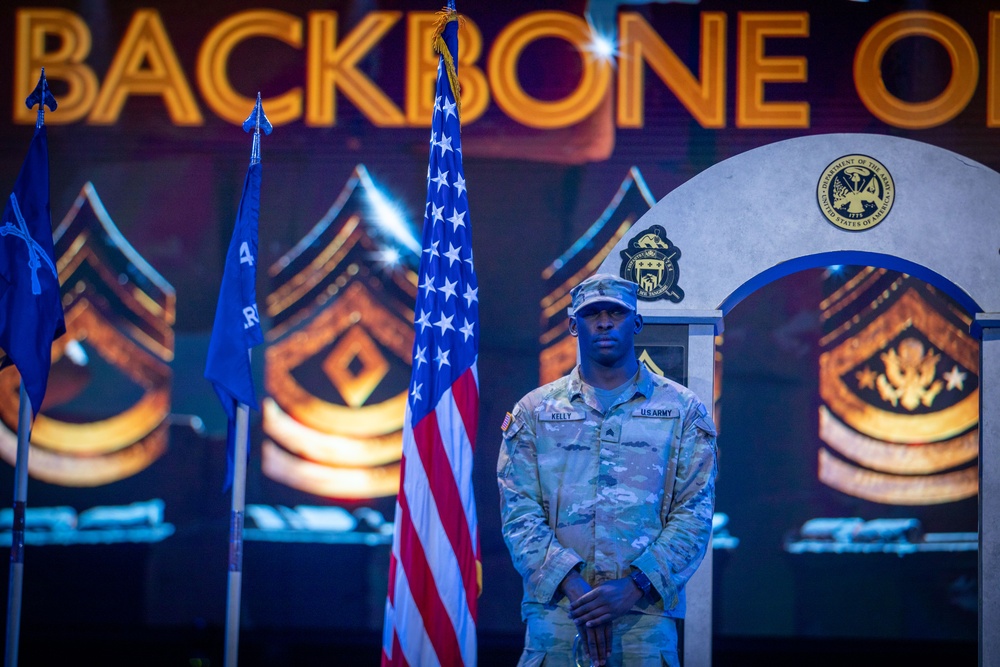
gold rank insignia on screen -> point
(119, 336)
(899, 384)
(339, 351)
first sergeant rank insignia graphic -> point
(650, 261)
(855, 192)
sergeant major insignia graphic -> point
(650, 261)
(855, 192)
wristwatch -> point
(643, 583)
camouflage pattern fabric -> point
(638, 640)
(607, 492)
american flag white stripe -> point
(434, 585)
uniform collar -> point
(578, 388)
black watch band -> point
(643, 583)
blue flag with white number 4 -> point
(237, 323)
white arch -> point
(755, 217)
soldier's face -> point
(606, 332)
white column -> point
(698, 620)
(989, 489)
(703, 325)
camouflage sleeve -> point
(680, 547)
(539, 558)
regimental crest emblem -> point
(855, 192)
(650, 261)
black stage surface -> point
(204, 648)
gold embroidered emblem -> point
(909, 378)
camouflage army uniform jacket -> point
(632, 488)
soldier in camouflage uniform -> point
(607, 489)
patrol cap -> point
(604, 288)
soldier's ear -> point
(638, 323)
(573, 331)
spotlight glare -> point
(388, 258)
(602, 47)
(388, 215)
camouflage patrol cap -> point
(604, 288)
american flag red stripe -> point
(466, 396)
(431, 605)
(399, 651)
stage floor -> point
(204, 648)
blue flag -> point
(31, 314)
(237, 323)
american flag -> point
(434, 571)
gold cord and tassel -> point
(444, 17)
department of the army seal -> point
(651, 263)
(855, 192)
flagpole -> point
(16, 578)
(15, 587)
(241, 437)
(235, 578)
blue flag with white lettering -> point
(31, 314)
(237, 324)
